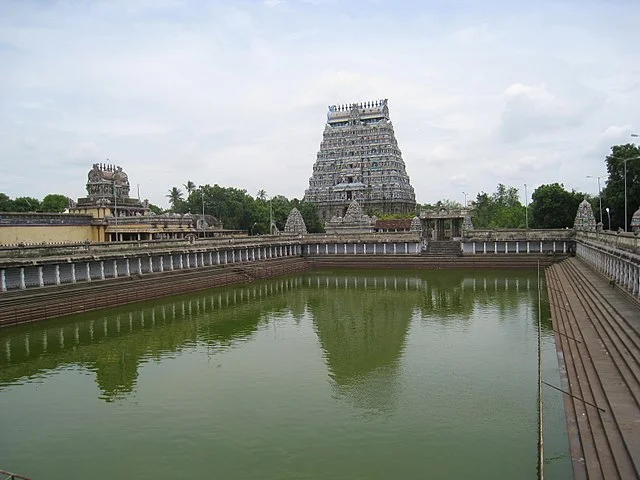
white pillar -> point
(195, 260)
(150, 264)
(218, 258)
(23, 284)
(495, 247)
(395, 248)
(506, 247)
(115, 269)
(140, 264)
(528, 251)
(253, 254)
(364, 248)
(384, 248)
(161, 263)
(101, 270)
(540, 246)
(473, 247)
(484, 247)
(406, 247)
(554, 246)
(355, 246)
(187, 255)
(127, 266)
(3, 281)
(73, 273)
(375, 245)
(317, 249)
(517, 247)
(345, 248)
(326, 249)
(564, 247)
(40, 277)
(233, 255)
(88, 272)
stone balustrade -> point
(614, 256)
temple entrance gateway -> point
(443, 224)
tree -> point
(55, 203)
(156, 209)
(613, 192)
(175, 198)
(6, 204)
(554, 207)
(190, 187)
(501, 209)
(26, 204)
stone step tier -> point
(444, 249)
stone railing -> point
(615, 256)
(503, 235)
(629, 242)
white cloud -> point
(236, 93)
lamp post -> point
(526, 208)
(609, 215)
(599, 194)
(252, 227)
(465, 199)
(625, 160)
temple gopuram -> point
(359, 159)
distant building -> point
(106, 214)
(359, 159)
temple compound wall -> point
(88, 263)
(359, 159)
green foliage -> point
(237, 210)
(26, 204)
(55, 203)
(613, 192)
(175, 199)
(501, 209)
(6, 204)
(554, 207)
(155, 209)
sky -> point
(236, 92)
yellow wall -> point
(50, 234)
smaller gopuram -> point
(635, 221)
(585, 220)
(295, 223)
(108, 194)
(354, 221)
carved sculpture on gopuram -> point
(108, 187)
(107, 180)
(359, 159)
(295, 223)
(354, 221)
(584, 217)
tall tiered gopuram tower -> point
(359, 159)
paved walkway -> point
(598, 343)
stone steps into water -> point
(598, 342)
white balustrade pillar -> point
(40, 277)
(23, 283)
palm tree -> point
(190, 187)
(175, 197)
(262, 195)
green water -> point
(325, 375)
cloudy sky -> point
(235, 92)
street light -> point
(465, 199)
(599, 194)
(625, 160)
(526, 208)
(609, 215)
(252, 227)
